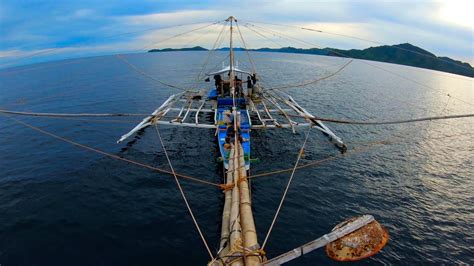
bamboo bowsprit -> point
(239, 244)
(238, 107)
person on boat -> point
(227, 144)
(231, 134)
(238, 85)
(218, 82)
(249, 86)
(254, 78)
(228, 118)
(230, 130)
(226, 88)
(249, 82)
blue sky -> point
(83, 28)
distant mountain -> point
(410, 55)
(403, 54)
(235, 49)
(196, 48)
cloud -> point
(11, 53)
(169, 18)
(434, 26)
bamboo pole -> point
(250, 242)
(235, 237)
(224, 243)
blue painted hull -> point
(225, 104)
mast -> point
(231, 51)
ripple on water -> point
(61, 205)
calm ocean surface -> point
(61, 205)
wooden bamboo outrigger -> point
(235, 114)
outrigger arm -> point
(311, 119)
(156, 115)
(318, 124)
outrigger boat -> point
(237, 109)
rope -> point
(353, 122)
(206, 62)
(311, 82)
(317, 162)
(285, 36)
(66, 114)
(299, 84)
(218, 65)
(69, 92)
(286, 189)
(416, 82)
(263, 36)
(346, 154)
(364, 62)
(332, 120)
(273, 41)
(113, 156)
(221, 186)
(366, 40)
(106, 37)
(188, 44)
(146, 47)
(182, 193)
(254, 69)
(116, 121)
(146, 74)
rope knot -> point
(226, 187)
(242, 179)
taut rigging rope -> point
(182, 194)
(48, 50)
(286, 189)
(146, 74)
(332, 120)
(67, 114)
(298, 84)
(353, 122)
(310, 82)
(363, 39)
(339, 155)
(206, 62)
(178, 35)
(363, 61)
(254, 69)
(113, 156)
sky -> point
(38, 30)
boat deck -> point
(223, 106)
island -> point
(402, 54)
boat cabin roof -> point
(227, 69)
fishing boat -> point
(240, 104)
(234, 104)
